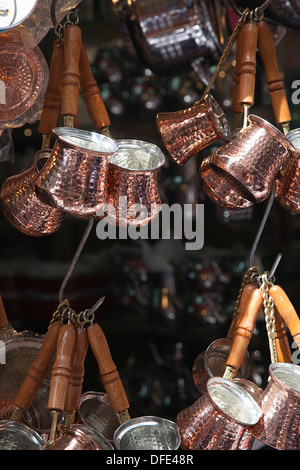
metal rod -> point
(275, 264)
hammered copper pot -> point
(133, 193)
(212, 363)
(253, 158)
(218, 419)
(288, 180)
(280, 404)
(186, 132)
(79, 437)
(75, 177)
(22, 207)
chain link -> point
(269, 313)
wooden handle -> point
(286, 311)
(107, 368)
(71, 77)
(38, 369)
(3, 316)
(245, 297)
(282, 344)
(248, 64)
(53, 94)
(236, 106)
(245, 330)
(91, 93)
(267, 52)
(77, 371)
(61, 370)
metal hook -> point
(75, 258)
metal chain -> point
(269, 313)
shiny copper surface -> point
(254, 157)
(79, 437)
(75, 177)
(23, 209)
(221, 188)
(288, 180)
(25, 74)
(280, 403)
(186, 132)
(218, 424)
(132, 174)
(212, 363)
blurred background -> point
(163, 305)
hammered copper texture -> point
(75, 177)
(24, 210)
(221, 188)
(133, 175)
(79, 437)
(279, 427)
(186, 132)
(288, 180)
(254, 157)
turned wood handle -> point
(71, 77)
(107, 368)
(282, 344)
(77, 370)
(248, 64)
(91, 93)
(3, 316)
(236, 106)
(245, 330)
(38, 368)
(53, 94)
(245, 297)
(286, 311)
(61, 370)
(267, 52)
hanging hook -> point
(75, 259)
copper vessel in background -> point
(186, 132)
(253, 158)
(23, 209)
(74, 178)
(221, 188)
(288, 180)
(133, 190)
(280, 404)
(218, 419)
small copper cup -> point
(219, 418)
(22, 207)
(253, 158)
(221, 188)
(212, 363)
(79, 437)
(133, 191)
(280, 404)
(186, 132)
(75, 177)
(288, 180)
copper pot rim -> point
(138, 144)
(63, 135)
(288, 367)
(227, 342)
(290, 136)
(81, 431)
(272, 129)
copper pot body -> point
(280, 403)
(254, 157)
(186, 132)
(133, 193)
(75, 177)
(22, 207)
(221, 188)
(79, 437)
(218, 419)
(288, 180)
(212, 363)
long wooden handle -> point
(61, 370)
(77, 371)
(267, 52)
(71, 76)
(282, 344)
(245, 330)
(236, 106)
(38, 369)
(286, 311)
(107, 368)
(91, 93)
(3, 316)
(245, 297)
(53, 94)
(248, 64)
